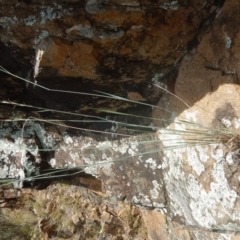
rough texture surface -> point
(116, 47)
(202, 181)
(64, 211)
(185, 179)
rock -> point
(106, 217)
(10, 193)
(118, 178)
(90, 45)
(156, 224)
(186, 187)
(197, 174)
(135, 211)
(79, 53)
(76, 218)
(95, 214)
(199, 170)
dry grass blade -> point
(194, 134)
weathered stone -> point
(106, 217)
(200, 168)
(93, 45)
(156, 224)
(77, 60)
(10, 193)
(194, 181)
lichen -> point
(49, 13)
(92, 7)
(172, 5)
(42, 35)
(6, 21)
(30, 20)
(187, 193)
(82, 30)
(228, 42)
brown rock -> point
(77, 60)
(95, 215)
(135, 211)
(203, 200)
(115, 48)
(76, 218)
(106, 217)
(94, 46)
(156, 224)
(10, 193)
(201, 187)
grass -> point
(194, 133)
(48, 213)
(54, 214)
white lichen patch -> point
(236, 123)
(156, 190)
(6, 21)
(12, 157)
(131, 152)
(159, 206)
(156, 184)
(25, 141)
(226, 122)
(49, 13)
(3, 173)
(135, 200)
(150, 163)
(132, 147)
(97, 156)
(229, 158)
(68, 140)
(187, 194)
(104, 145)
(30, 20)
(154, 193)
(157, 80)
(194, 159)
(53, 162)
(74, 156)
(42, 35)
(228, 42)
(144, 199)
(122, 147)
(111, 34)
(192, 116)
(202, 153)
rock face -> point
(116, 47)
(201, 173)
(184, 179)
